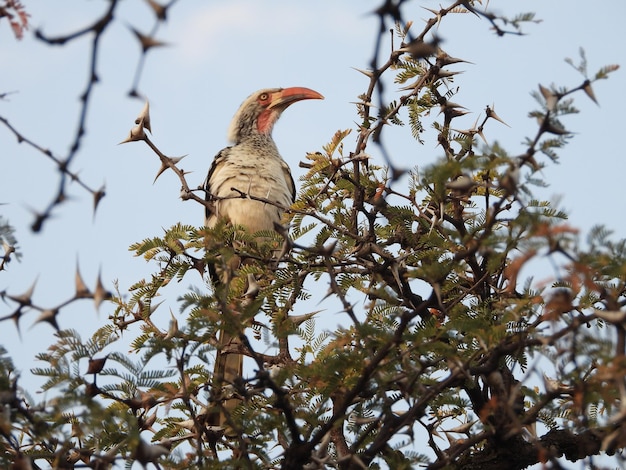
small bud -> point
(96, 365)
(136, 134)
(491, 113)
(49, 315)
(550, 97)
(144, 117)
(100, 293)
(82, 291)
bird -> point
(251, 166)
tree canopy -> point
(442, 352)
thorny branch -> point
(96, 31)
(49, 315)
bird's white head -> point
(260, 111)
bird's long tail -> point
(227, 372)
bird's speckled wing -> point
(217, 161)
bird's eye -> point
(263, 96)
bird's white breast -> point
(251, 174)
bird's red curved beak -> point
(287, 96)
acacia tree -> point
(443, 356)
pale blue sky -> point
(218, 53)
